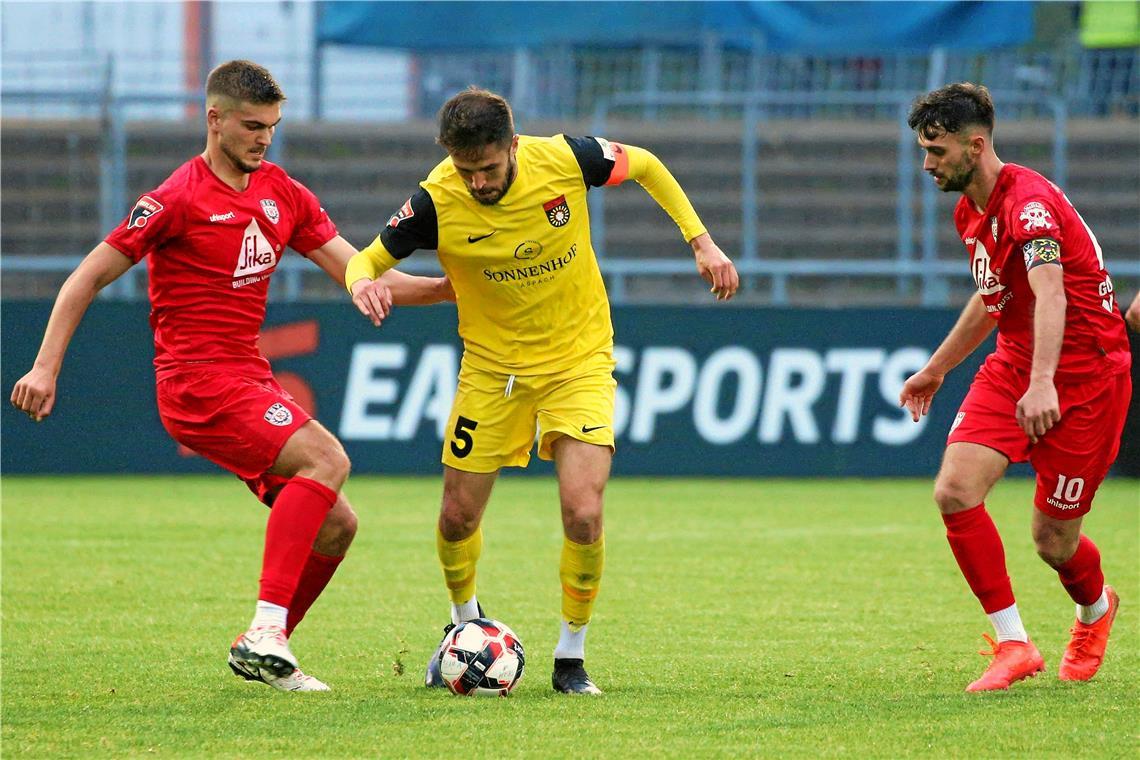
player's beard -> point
(237, 161)
(961, 178)
(492, 199)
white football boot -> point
(295, 681)
(264, 650)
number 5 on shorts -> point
(463, 442)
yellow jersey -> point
(530, 296)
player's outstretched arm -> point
(649, 172)
(380, 290)
(34, 393)
(967, 334)
(1132, 316)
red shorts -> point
(1072, 459)
(237, 421)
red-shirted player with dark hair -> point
(213, 234)
(1054, 393)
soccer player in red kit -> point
(213, 234)
(1054, 393)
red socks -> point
(296, 517)
(1081, 575)
(317, 573)
(977, 546)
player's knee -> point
(582, 522)
(332, 466)
(953, 495)
(458, 516)
(1053, 546)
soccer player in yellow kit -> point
(507, 215)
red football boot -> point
(1013, 661)
(1085, 652)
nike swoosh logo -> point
(592, 429)
(473, 239)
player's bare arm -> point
(1132, 316)
(406, 289)
(34, 393)
(972, 327)
(716, 268)
(1039, 409)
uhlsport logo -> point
(557, 211)
(278, 415)
(269, 206)
(145, 208)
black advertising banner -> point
(702, 391)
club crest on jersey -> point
(993, 227)
(405, 212)
(270, 209)
(557, 211)
(145, 208)
(278, 415)
(1035, 216)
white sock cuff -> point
(1090, 613)
(269, 615)
(1007, 624)
(571, 644)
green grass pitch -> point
(738, 618)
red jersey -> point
(212, 251)
(1025, 206)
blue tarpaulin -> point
(824, 27)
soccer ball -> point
(481, 657)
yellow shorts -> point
(496, 417)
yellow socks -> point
(581, 573)
(458, 560)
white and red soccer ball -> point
(481, 658)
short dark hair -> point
(243, 81)
(951, 108)
(474, 119)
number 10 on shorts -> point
(1069, 489)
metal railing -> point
(755, 107)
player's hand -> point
(373, 298)
(1132, 316)
(1038, 410)
(716, 268)
(918, 391)
(34, 394)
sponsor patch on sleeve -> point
(405, 212)
(1041, 251)
(145, 208)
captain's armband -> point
(1041, 251)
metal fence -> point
(656, 85)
